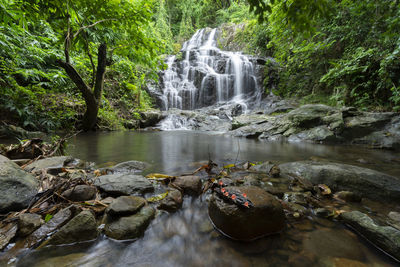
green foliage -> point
(343, 51)
(37, 95)
(237, 13)
(108, 117)
(163, 26)
(297, 15)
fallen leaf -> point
(158, 176)
(97, 173)
(229, 166)
(157, 197)
(325, 190)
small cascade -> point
(176, 122)
(207, 75)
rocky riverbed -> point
(40, 211)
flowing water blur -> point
(187, 238)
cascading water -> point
(207, 75)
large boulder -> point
(150, 118)
(342, 177)
(130, 227)
(365, 123)
(123, 184)
(385, 237)
(388, 137)
(80, 193)
(241, 223)
(82, 227)
(48, 163)
(17, 187)
(308, 116)
(316, 134)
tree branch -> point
(89, 26)
(67, 41)
(90, 58)
(77, 79)
(101, 70)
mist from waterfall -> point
(207, 75)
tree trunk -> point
(92, 98)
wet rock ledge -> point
(280, 120)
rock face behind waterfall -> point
(203, 75)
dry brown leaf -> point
(325, 190)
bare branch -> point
(90, 26)
(67, 41)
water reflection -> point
(174, 152)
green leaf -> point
(48, 217)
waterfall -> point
(206, 75)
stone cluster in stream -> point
(111, 201)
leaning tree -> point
(105, 28)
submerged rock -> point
(70, 260)
(123, 184)
(341, 177)
(125, 205)
(385, 237)
(130, 227)
(190, 185)
(80, 193)
(172, 202)
(348, 196)
(82, 227)
(129, 166)
(17, 187)
(266, 217)
(333, 243)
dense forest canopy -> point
(334, 52)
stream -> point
(187, 238)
